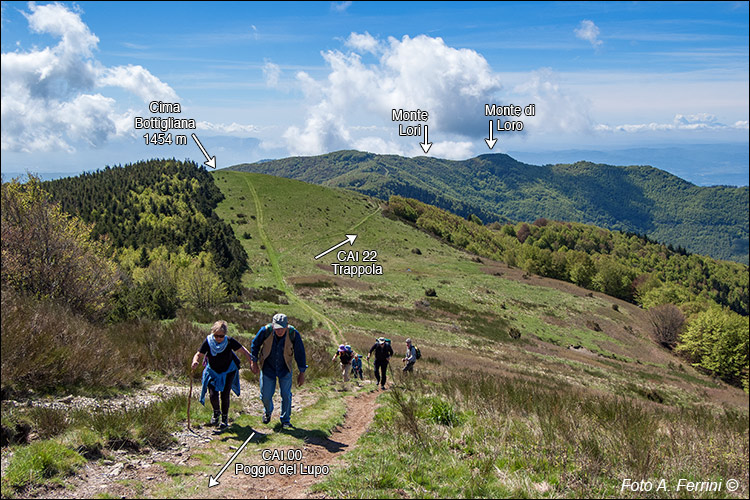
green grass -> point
(537, 421)
(473, 309)
(476, 436)
(37, 464)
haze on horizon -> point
(654, 83)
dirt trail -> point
(317, 451)
(130, 475)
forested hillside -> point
(155, 204)
(625, 265)
(707, 220)
(696, 304)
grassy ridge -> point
(581, 400)
(476, 303)
(706, 220)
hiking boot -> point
(286, 425)
(214, 420)
(223, 426)
(266, 418)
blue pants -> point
(267, 389)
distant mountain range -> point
(495, 187)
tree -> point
(50, 255)
(200, 286)
(613, 279)
(523, 232)
(582, 269)
(717, 340)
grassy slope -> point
(705, 220)
(474, 309)
(539, 423)
(592, 412)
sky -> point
(271, 80)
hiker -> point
(410, 358)
(383, 353)
(274, 348)
(357, 366)
(221, 372)
(345, 356)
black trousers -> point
(380, 369)
(214, 395)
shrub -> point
(49, 255)
(443, 413)
(49, 422)
(153, 346)
(45, 345)
(667, 321)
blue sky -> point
(267, 80)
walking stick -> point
(190, 397)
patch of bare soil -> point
(336, 280)
(317, 451)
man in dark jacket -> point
(383, 353)
(274, 349)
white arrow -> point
(214, 481)
(425, 145)
(210, 161)
(490, 142)
(349, 238)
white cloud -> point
(47, 98)
(698, 121)
(233, 129)
(452, 150)
(137, 80)
(557, 110)
(411, 73)
(588, 31)
(271, 72)
(363, 42)
(340, 6)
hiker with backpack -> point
(410, 358)
(383, 353)
(357, 366)
(273, 352)
(221, 372)
(345, 356)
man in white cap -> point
(410, 358)
(383, 353)
(274, 349)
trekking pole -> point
(190, 396)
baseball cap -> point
(280, 321)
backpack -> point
(417, 353)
